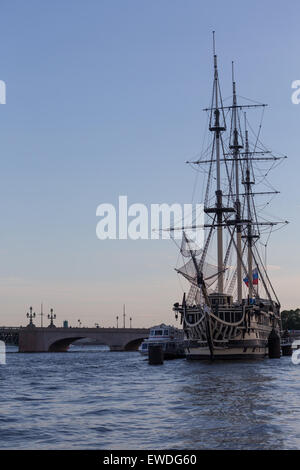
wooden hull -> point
(227, 331)
(226, 354)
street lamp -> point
(130, 320)
(41, 315)
(79, 323)
(51, 317)
(117, 321)
(30, 316)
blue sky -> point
(105, 98)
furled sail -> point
(188, 270)
(189, 247)
(196, 262)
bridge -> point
(55, 339)
(9, 334)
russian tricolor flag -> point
(254, 278)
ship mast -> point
(217, 127)
(249, 235)
(244, 216)
(235, 146)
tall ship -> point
(231, 310)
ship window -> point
(144, 346)
(158, 332)
(166, 332)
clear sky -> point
(104, 98)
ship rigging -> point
(231, 309)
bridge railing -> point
(10, 328)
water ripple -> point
(89, 400)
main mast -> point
(248, 183)
(217, 127)
(235, 146)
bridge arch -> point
(62, 345)
(134, 344)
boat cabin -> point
(161, 331)
(220, 299)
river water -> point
(89, 398)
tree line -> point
(290, 319)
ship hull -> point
(230, 332)
(196, 354)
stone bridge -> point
(9, 334)
(34, 339)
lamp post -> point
(117, 321)
(79, 323)
(130, 320)
(30, 316)
(41, 315)
(124, 315)
(51, 317)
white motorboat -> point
(170, 338)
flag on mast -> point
(254, 278)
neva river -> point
(93, 399)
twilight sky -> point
(105, 98)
